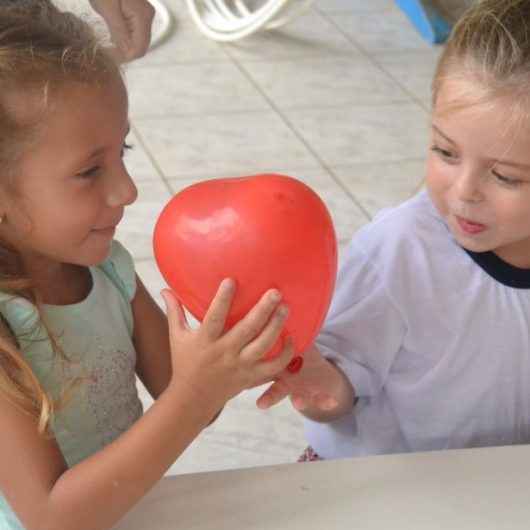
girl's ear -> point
(3, 208)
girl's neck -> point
(60, 283)
(517, 255)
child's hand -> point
(320, 390)
(218, 365)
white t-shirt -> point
(434, 339)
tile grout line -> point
(258, 111)
(151, 158)
(374, 61)
(280, 114)
(380, 67)
(297, 134)
(306, 144)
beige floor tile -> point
(191, 89)
(414, 70)
(349, 134)
(346, 215)
(310, 35)
(138, 163)
(377, 186)
(185, 45)
(223, 144)
(374, 33)
(244, 436)
(319, 83)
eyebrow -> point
(498, 161)
(100, 150)
(443, 135)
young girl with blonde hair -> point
(427, 343)
(76, 322)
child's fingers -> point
(299, 402)
(273, 395)
(255, 320)
(270, 369)
(319, 401)
(214, 321)
(268, 337)
(175, 314)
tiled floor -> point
(339, 99)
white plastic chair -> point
(230, 20)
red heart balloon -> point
(263, 231)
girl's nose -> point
(469, 186)
(122, 190)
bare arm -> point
(115, 478)
(151, 341)
(54, 497)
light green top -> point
(96, 336)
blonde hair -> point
(42, 50)
(490, 42)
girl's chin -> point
(96, 255)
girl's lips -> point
(469, 227)
(109, 231)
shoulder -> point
(119, 268)
(402, 249)
(406, 232)
(414, 221)
(20, 319)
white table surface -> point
(470, 489)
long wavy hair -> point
(42, 50)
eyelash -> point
(442, 152)
(506, 181)
(94, 170)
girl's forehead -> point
(473, 101)
(85, 111)
(46, 105)
(492, 124)
(102, 96)
(77, 120)
(460, 91)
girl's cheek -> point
(439, 175)
(432, 174)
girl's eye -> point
(92, 172)
(507, 181)
(442, 152)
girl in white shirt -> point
(427, 343)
